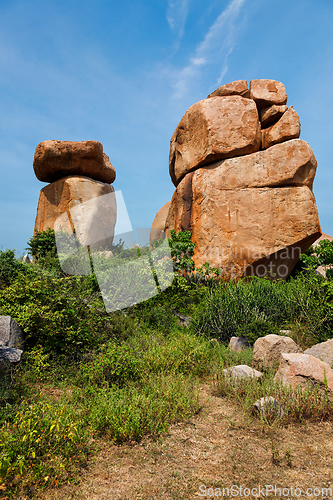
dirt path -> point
(215, 449)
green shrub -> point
(63, 315)
(11, 268)
(231, 308)
(256, 329)
(43, 445)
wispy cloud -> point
(177, 13)
(215, 47)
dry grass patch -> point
(218, 448)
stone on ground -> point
(241, 371)
(322, 351)
(11, 334)
(237, 344)
(303, 370)
(267, 350)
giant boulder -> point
(56, 159)
(250, 211)
(213, 129)
(81, 204)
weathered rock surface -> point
(158, 225)
(56, 159)
(213, 129)
(271, 114)
(288, 127)
(322, 351)
(241, 371)
(267, 350)
(249, 211)
(79, 203)
(239, 87)
(237, 344)
(237, 219)
(8, 357)
(269, 407)
(11, 334)
(304, 370)
(267, 92)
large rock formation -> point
(250, 211)
(158, 225)
(80, 198)
(56, 159)
(81, 204)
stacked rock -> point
(244, 181)
(80, 176)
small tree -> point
(182, 251)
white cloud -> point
(176, 16)
(216, 46)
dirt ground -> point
(216, 449)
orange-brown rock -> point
(79, 203)
(288, 127)
(56, 159)
(306, 371)
(213, 129)
(267, 92)
(239, 87)
(158, 225)
(271, 114)
(250, 215)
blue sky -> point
(124, 73)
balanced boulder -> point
(247, 200)
(56, 159)
(212, 129)
(267, 92)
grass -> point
(132, 374)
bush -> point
(11, 268)
(62, 316)
(231, 308)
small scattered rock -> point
(286, 332)
(304, 370)
(322, 351)
(183, 320)
(237, 344)
(241, 371)
(268, 406)
(11, 334)
(267, 350)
